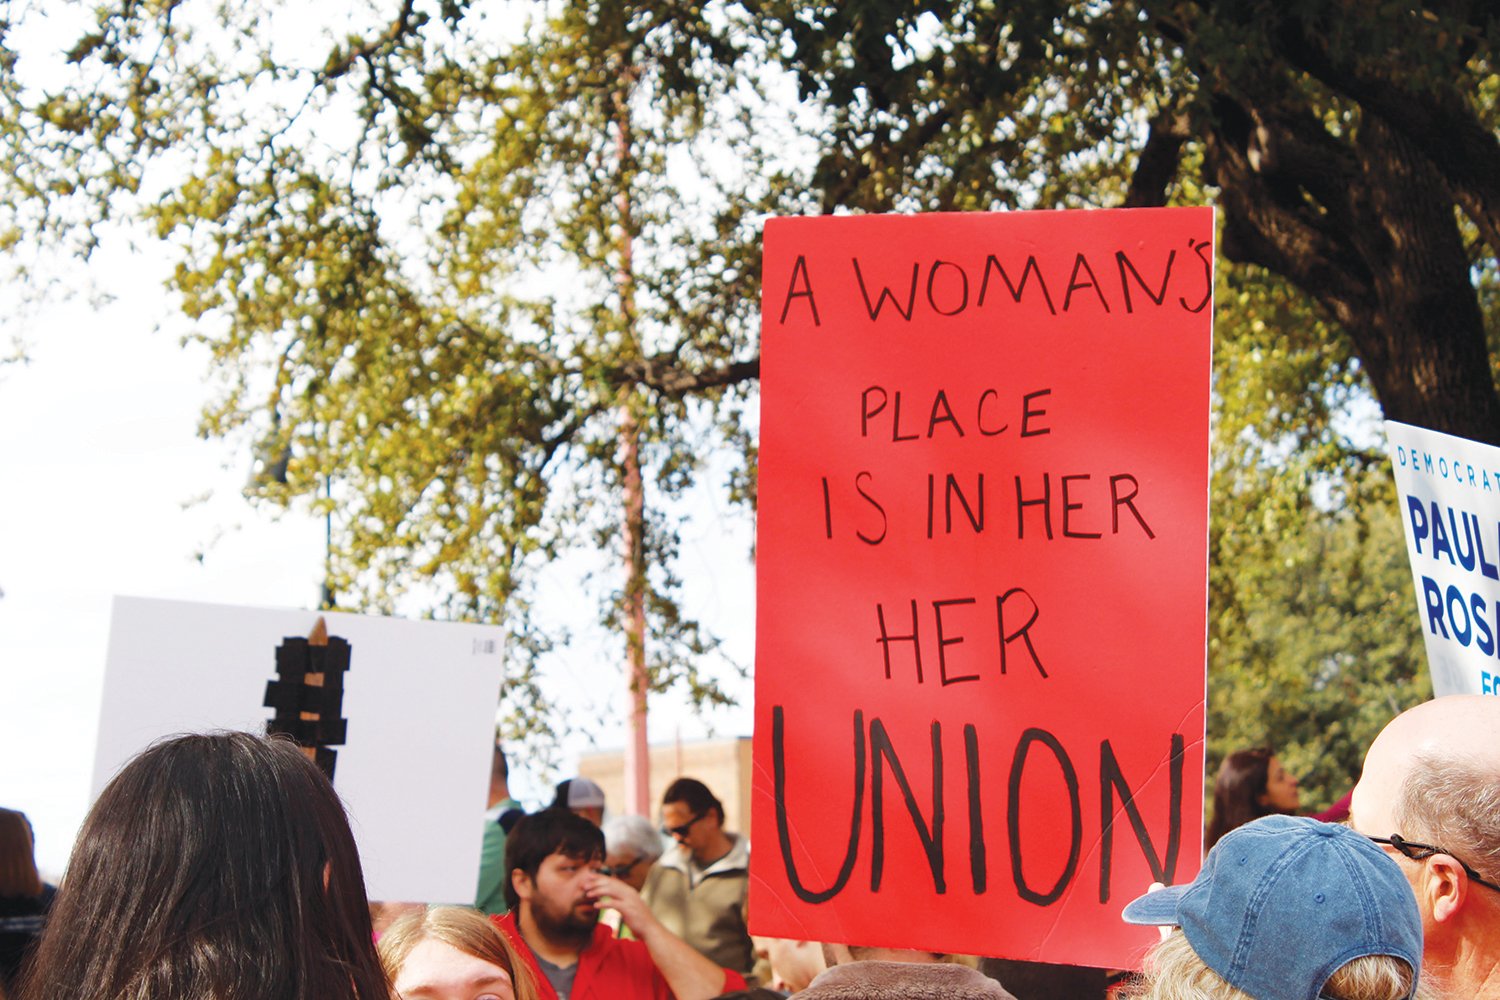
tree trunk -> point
(1422, 338)
(637, 748)
(638, 678)
(1368, 229)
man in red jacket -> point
(555, 892)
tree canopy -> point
(464, 270)
(454, 256)
(1351, 151)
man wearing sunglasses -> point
(700, 887)
(1430, 796)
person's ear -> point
(836, 954)
(523, 884)
(1444, 887)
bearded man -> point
(555, 892)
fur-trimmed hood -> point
(903, 981)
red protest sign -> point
(982, 577)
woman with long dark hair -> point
(1251, 784)
(213, 867)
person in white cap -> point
(583, 797)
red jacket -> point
(608, 969)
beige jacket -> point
(707, 910)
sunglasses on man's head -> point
(684, 829)
(1421, 852)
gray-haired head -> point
(634, 835)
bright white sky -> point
(99, 464)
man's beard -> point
(572, 926)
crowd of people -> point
(222, 866)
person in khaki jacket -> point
(700, 887)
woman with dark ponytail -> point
(1251, 784)
(215, 867)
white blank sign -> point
(419, 697)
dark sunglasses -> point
(1421, 852)
(620, 871)
(684, 829)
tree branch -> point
(663, 373)
(1156, 166)
(340, 63)
(1269, 220)
(1437, 119)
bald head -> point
(1433, 777)
(1459, 734)
(1461, 729)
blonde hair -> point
(459, 927)
(18, 874)
(1175, 972)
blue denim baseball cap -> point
(1283, 902)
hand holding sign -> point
(309, 694)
